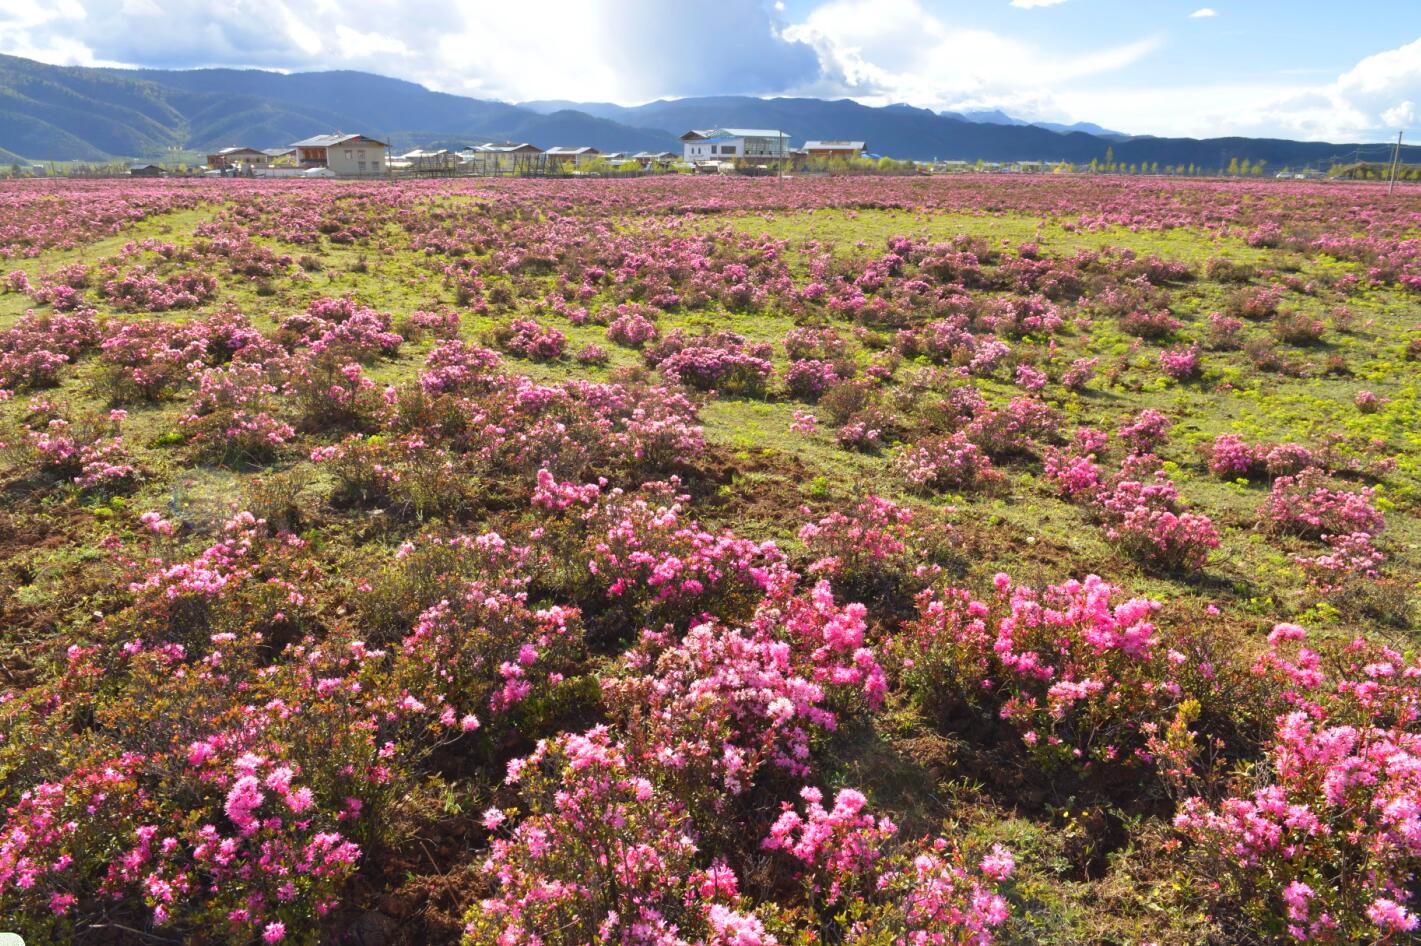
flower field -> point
(684, 562)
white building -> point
(731, 144)
(574, 156)
(345, 155)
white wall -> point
(355, 159)
(713, 151)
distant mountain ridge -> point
(996, 116)
(75, 113)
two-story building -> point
(238, 158)
(833, 150)
(755, 145)
(345, 155)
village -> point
(355, 155)
(725, 151)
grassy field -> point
(1097, 859)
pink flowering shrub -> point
(87, 451)
(1075, 475)
(528, 338)
(945, 463)
(824, 344)
(1231, 457)
(1016, 429)
(232, 792)
(1083, 677)
(986, 356)
(862, 432)
(343, 329)
(723, 703)
(454, 366)
(1288, 459)
(482, 650)
(1305, 505)
(233, 417)
(148, 360)
(600, 854)
(442, 324)
(1367, 402)
(235, 861)
(1146, 432)
(1181, 364)
(36, 348)
(862, 883)
(649, 563)
(1298, 328)
(1146, 518)
(1030, 379)
(1328, 848)
(142, 291)
(1255, 303)
(720, 361)
(632, 330)
(1224, 332)
(1154, 325)
(17, 280)
(878, 551)
(1350, 558)
(1079, 374)
(592, 355)
(327, 394)
(808, 379)
(1015, 316)
(408, 476)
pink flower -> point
(999, 864)
(1390, 915)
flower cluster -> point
(1327, 850)
(1306, 505)
(1083, 677)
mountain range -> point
(96, 114)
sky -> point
(1301, 69)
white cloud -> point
(881, 51)
(1369, 101)
(1203, 12)
(621, 50)
(1401, 116)
(40, 30)
(1033, 4)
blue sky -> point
(1301, 69)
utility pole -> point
(1395, 160)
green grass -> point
(1019, 527)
